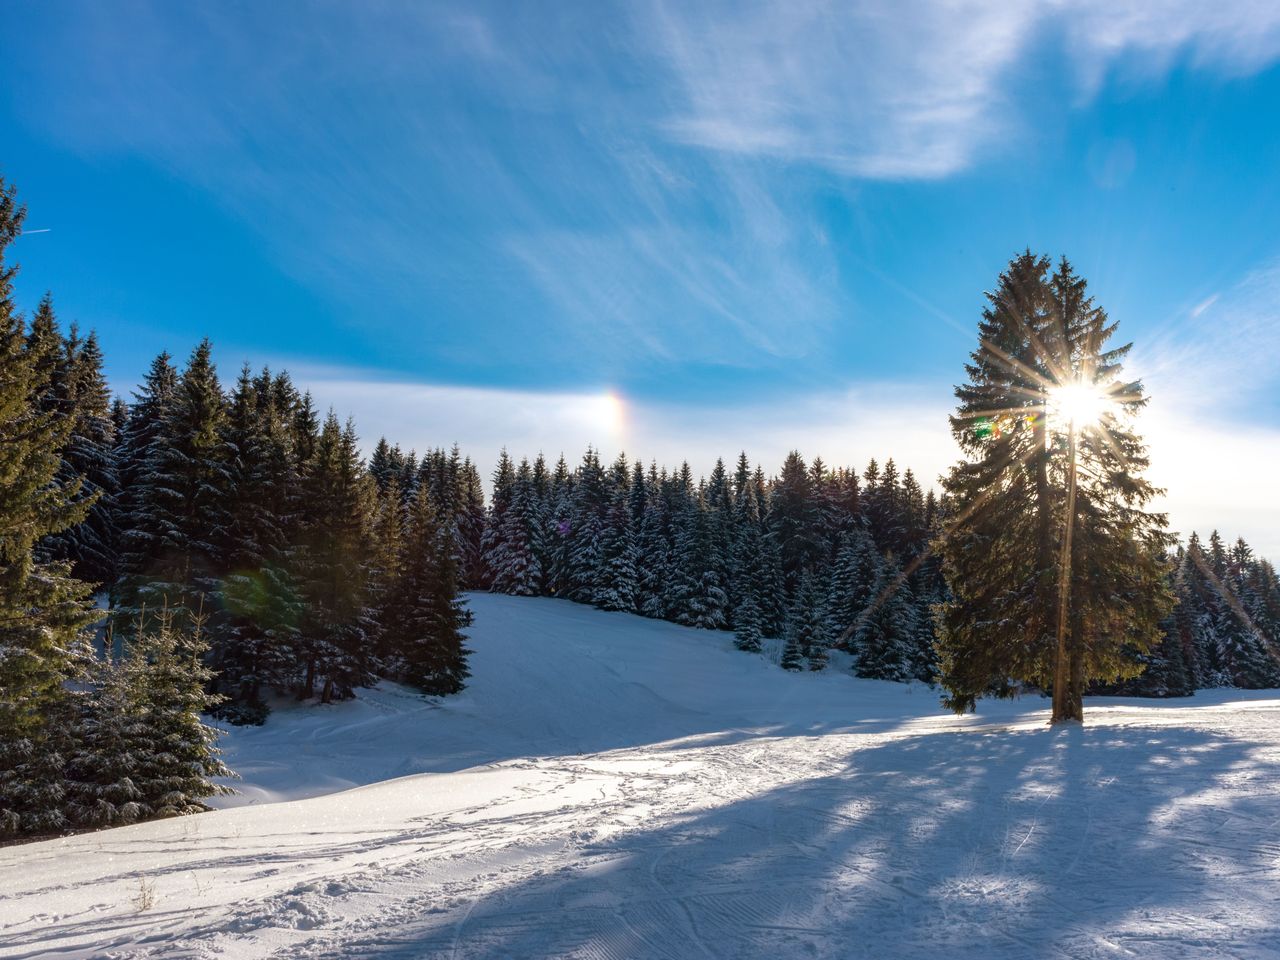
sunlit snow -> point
(611, 787)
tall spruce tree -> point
(335, 634)
(616, 581)
(1040, 334)
(806, 632)
(81, 391)
(653, 548)
(428, 643)
(853, 586)
(493, 544)
(884, 643)
(793, 520)
(253, 635)
(178, 518)
(42, 608)
(384, 559)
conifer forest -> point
(234, 545)
(639, 481)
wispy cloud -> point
(1220, 357)
(403, 149)
(1213, 379)
(880, 89)
(917, 89)
(1203, 305)
(352, 144)
(1232, 37)
(756, 280)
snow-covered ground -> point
(614, 787)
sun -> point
(1082, 404)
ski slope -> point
(611, 787)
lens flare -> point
(1083, 404)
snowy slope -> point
(549, 678)
(613, 787)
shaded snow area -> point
(614, 787)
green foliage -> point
(142, 750)
(427, 639)
(1009, 506)
(42, 608)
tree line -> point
(245, 549)
(814, 559)
(240, 545)
(314, 577)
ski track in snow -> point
(613, 787)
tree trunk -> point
(309, 684)
(1065, 654)
(1075, 684)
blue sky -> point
(675, 228)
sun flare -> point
(1084, 404)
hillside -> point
(609, 786)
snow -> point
(611, 787)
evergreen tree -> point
(717, 547)
(334, 639)
(653, 549)
(749, 582)
(179, 515)
(538, 518)
(586, 529)
(175, 773)
(747, 634)
(427, 641)
(559, 535)
(111, 737)
(685, 597)
(999, 559)
(143, 751)
(42, 608)
(387, 463)
(1001, 556)
(81, 392)
(884, 644)
(254, 634)
(497, 551)
(515, 563)
(386, 550)
(470, 527)
(771, 597)
(793, 520)
(854, 582)
(139, 541)
(806, 628)
(1243, 649)
(617, 580)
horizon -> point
(664, 232)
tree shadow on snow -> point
(1028, 843)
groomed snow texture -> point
(613, 787)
